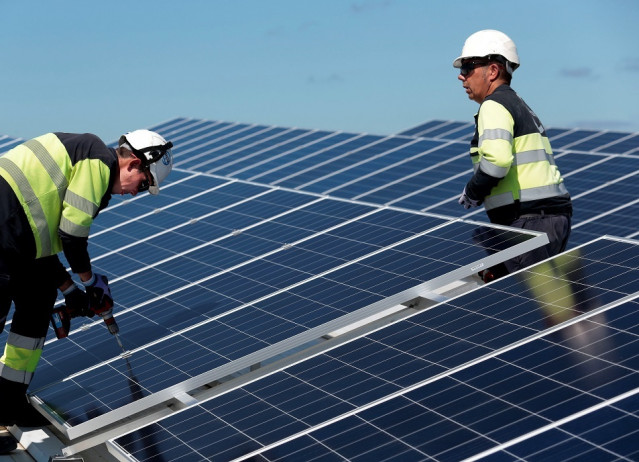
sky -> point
(364, 66)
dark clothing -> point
(557, 227)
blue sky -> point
(375, 66)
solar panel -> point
(463, 377)
(265, 299)
(274, 253)
(424, 174)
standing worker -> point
(515, 175)
(51, 189)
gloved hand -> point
(101, 301)
(467, 202)
(99, 293)
(77, 302)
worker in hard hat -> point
(515, 175)
(51, 189)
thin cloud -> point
(630, 65)
(577, 73)
(329, 79)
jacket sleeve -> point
(89, 184)
(52, 265)
(495, 127)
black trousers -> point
(557, 227)
(29, 284)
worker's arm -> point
(495, 127)
(89, 185)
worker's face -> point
(132, 176)
(475, 75)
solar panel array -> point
(424, 168)
(236, 284)
(463, 377)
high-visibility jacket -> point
(62, 181)
(514, 167)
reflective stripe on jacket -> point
(60, 189)
(511, 154)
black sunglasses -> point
(469, 66)
(146, 183)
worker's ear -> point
(135, 163)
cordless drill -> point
(62, 315)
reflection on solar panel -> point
(296, 294)
(458, 379)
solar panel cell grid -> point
(280, 166)
(519, 387)
(214, 269)
(278, 318)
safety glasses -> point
(147, 182)
(469, 66)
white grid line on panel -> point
(393, 165)
(356, 164)
(447, 373)
(328, 136)
(241, 147)
(332, 159)
(182, 154)
(266, 149)
(303, 158)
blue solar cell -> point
(342, 169)
(296, 174)
(573, 136)
(426, 156)
(280, 167)
(600, 141)
(294, 140)
(422, 128)
(218, 144)
(266, 140)
(452, 127)
(375, 162)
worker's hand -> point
(100, 299)
(467, 202)
(77, 302)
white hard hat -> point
(154, 151)
(490, 42)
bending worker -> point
(51, 189)
(515, 175)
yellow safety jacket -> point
(61, 180)
(514, 168)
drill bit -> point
(125, 353)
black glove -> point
(77, 302)
(99, 293)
